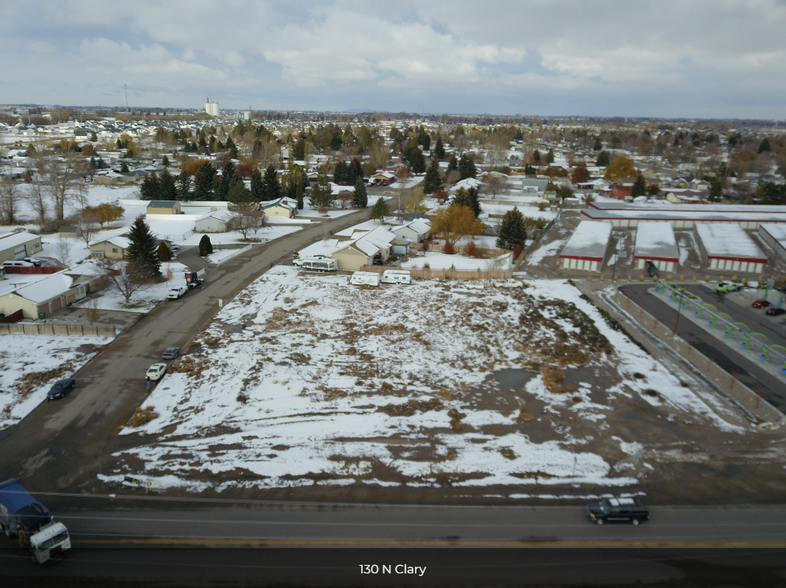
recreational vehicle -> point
(317, 264)
(364, 279)
(396, 277)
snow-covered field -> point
(30, 364)
(305, 380)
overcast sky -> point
(694, 58)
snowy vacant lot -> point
(304, 380)
(30, 364)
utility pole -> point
(679, 310)
(125, 88)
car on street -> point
(60, 389)
(156, 371)
(171, 353)
(629, 510)
(776, 311)
(761, 304)
(724, 287)
(175, 293)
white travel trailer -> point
(396, 277)
(364, 279)
(317, 264)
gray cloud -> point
(667, 58)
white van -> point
(364, 279)
(317, 264)
(18, 263)
(396, 277)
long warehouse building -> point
(587, 248)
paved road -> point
(158, 536)
(61, 444)
(745, 370)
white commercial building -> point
(655, 242)
(587, 248)
(211, 107)
(727, 247)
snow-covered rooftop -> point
(729, 241)
(589, 241)
(14, 239)
(660, 205)
(655, 240)
(685, 215)
(46, 288)
(777, 232)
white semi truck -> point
(29, 521)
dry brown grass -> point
(142, 416)
(411, 407)
(553, 378)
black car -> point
(171, 353)
(618, 509)
(776, 311)
(60, 389)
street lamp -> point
(679, 311)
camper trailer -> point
(396, 277)
(364, 279)
(317, 264)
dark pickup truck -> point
(618, 509)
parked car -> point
(174, 247)
(475, 286)
(171, 353)
(630, 510)
(724, 287)
(761, 304)
(36, 262)
(156, 371)
(776, 311)
(652, 269)
(60, 389)
(17, 263)
(175, 293)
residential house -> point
(43, 297)
(281, 208)
(415, 231)
(164, 207)
(18, 245)
(112, 248)
(216, 221)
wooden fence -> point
(57, 329)
(449, 274)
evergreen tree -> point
(530, 171)
(361, 197)
(536, 156)
(93, 136)
(150, 188)
(124, 168)
(598, 145)
(424, 139)
(512, 230)
(468, 198)
(439, 149)
(418, 162)
(764, 145)
(321, 193)
(380, 210)
(100, 164)
(165, 161)
(143, 251)
(228, 179)
(232, 148)
(466, 168)
(639, 187)
(205, 246)
(272, 185)
(239, 196)
(603, 159)
(203, 182)
(93, 163)
(167, 190)
(183, 186)
(433, 180)
(299, 149)
(452, 164)
(355, 171)
(257, 185)
(550, 156)
(341, 173)
(716, 190)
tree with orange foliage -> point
(454, 222)
(621, 167)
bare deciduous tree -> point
(10, 197)
(246, 217)
(36, 198)
(86, 222)
(90, 310)
(127, 278)
(63, 251)
(61, 181)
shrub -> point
(448, 249)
